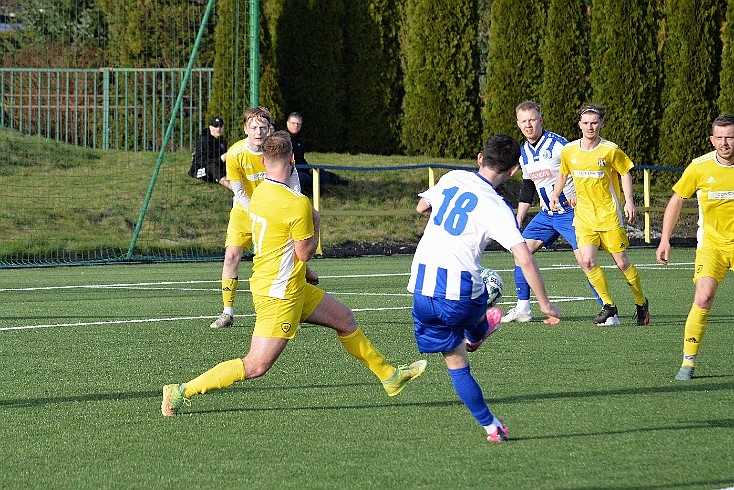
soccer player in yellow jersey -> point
(711, 178)
(597, 165)
(245, 171)
(285, 234)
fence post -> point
(105, 108)
(646, 197)
(431, 177)
(317, 202)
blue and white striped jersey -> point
(540, 163)
(466, 213)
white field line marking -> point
(156, 320)
(140, 285)
(557, 299)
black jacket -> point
(206, 162)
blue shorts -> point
(548, 227)
(441, 324)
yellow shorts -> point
(712, 262)
(279, 318)
(239, 229)
(613, 241)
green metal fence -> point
(108, 108)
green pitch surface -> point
(84, 353)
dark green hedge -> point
(514, 64)
(374, 76)
(726, 82)
(566, 68)
(441, 107)
(625, 73)
(691, 59)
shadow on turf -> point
(705, 424)
(673, 387)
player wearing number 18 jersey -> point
(449, 296)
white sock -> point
(689, 359)
(523, 305)
(496, 423)
(229, 310)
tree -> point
(230, 84)
(625, 75)
(58, 33)
(441, 109)
(566, 68)
(374, 79)
(692, 53)
(514, 64)
(726, 84)
(155, 34)
(310, 68)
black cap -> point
(216, 122)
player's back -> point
(466, 213)
(279, 216)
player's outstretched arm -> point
(670, 219)
(525, 260)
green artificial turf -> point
(84, 352)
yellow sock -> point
(695, 330)
(599, 281)
(220, 376)
(358, 345)
(633, 279)
(229, 289)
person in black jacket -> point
(294, 123)
(210, 154)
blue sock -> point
(596, 295)
(521, 285)
(470, 393)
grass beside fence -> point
(84, 352)
(64, 202)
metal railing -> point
(108, 108)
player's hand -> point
(311, 277)
(572, 201)
(554, 315)
(663, 253)
(555, 204)
(629, 212)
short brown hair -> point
(528, 105)
(278, 146)
(723, 120)
(258, 112)
(597, 109)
